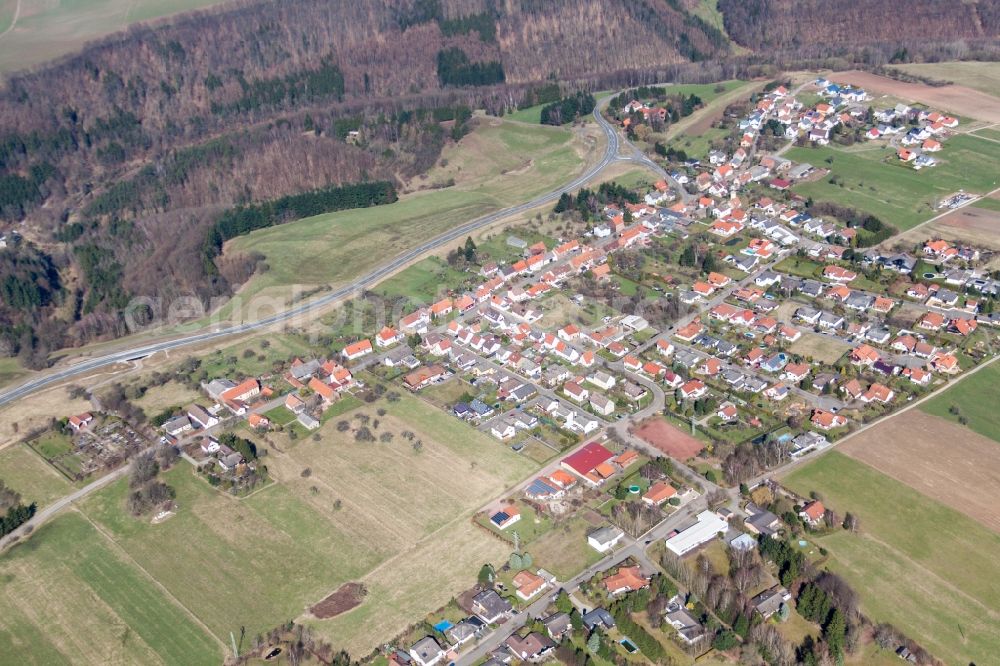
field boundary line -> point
(121, 549)
(992, 613)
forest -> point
(121, 158)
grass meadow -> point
(971, 398)
(336, 247)
(873, 180)
(924, 567)
(47, 30)
(96, 584)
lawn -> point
(924, 567)
(896, 193)
(24, 470)
(563, 550)
(799, 267)
(52, 444)
(71, 596)
(335, 247)
(51, 29)
(968, 396)
(254, 357)
(424, 282)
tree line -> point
(568, 109)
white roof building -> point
(707, 528)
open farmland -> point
(873, 179)
(981, 76)
(976, 225)
(335, 247)
(24, 470)
(415, 507)
(940, 459)
(970, 398)
(924, 567)
(955, 98)
(46, 30)
(72, 596)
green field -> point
(335, 247)
(46, 30)
(970, 397)
(896, 193)
(424, 282)
(123, 590)
(988, 204)
(24, 470)
(71, 596)
(926, 568)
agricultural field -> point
(335, 247)
(873, 180)
(924, 567)
(414, 508)
(982, 76)
(374, 512)
(24, 470)
(46, 30)
(976, 224)
(71, 595)
(967, 397)
(964, 474)
(965, 101)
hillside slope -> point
(119, 158)
(812, 25)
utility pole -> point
(232, 639)
(517, 542)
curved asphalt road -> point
(610, 154)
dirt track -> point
(674, 442)
(937, 458)
(957, 99)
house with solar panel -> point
(543, 488)
(505, 517)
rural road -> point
(61, 503)
(363, 282)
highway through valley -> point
(364, 282)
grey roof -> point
(491, 603)
(427, 649)
(768, 602)
(598, 617)
(304, 370)
(557, 623)
(762, 520)
(606, 534)
(177, 423)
